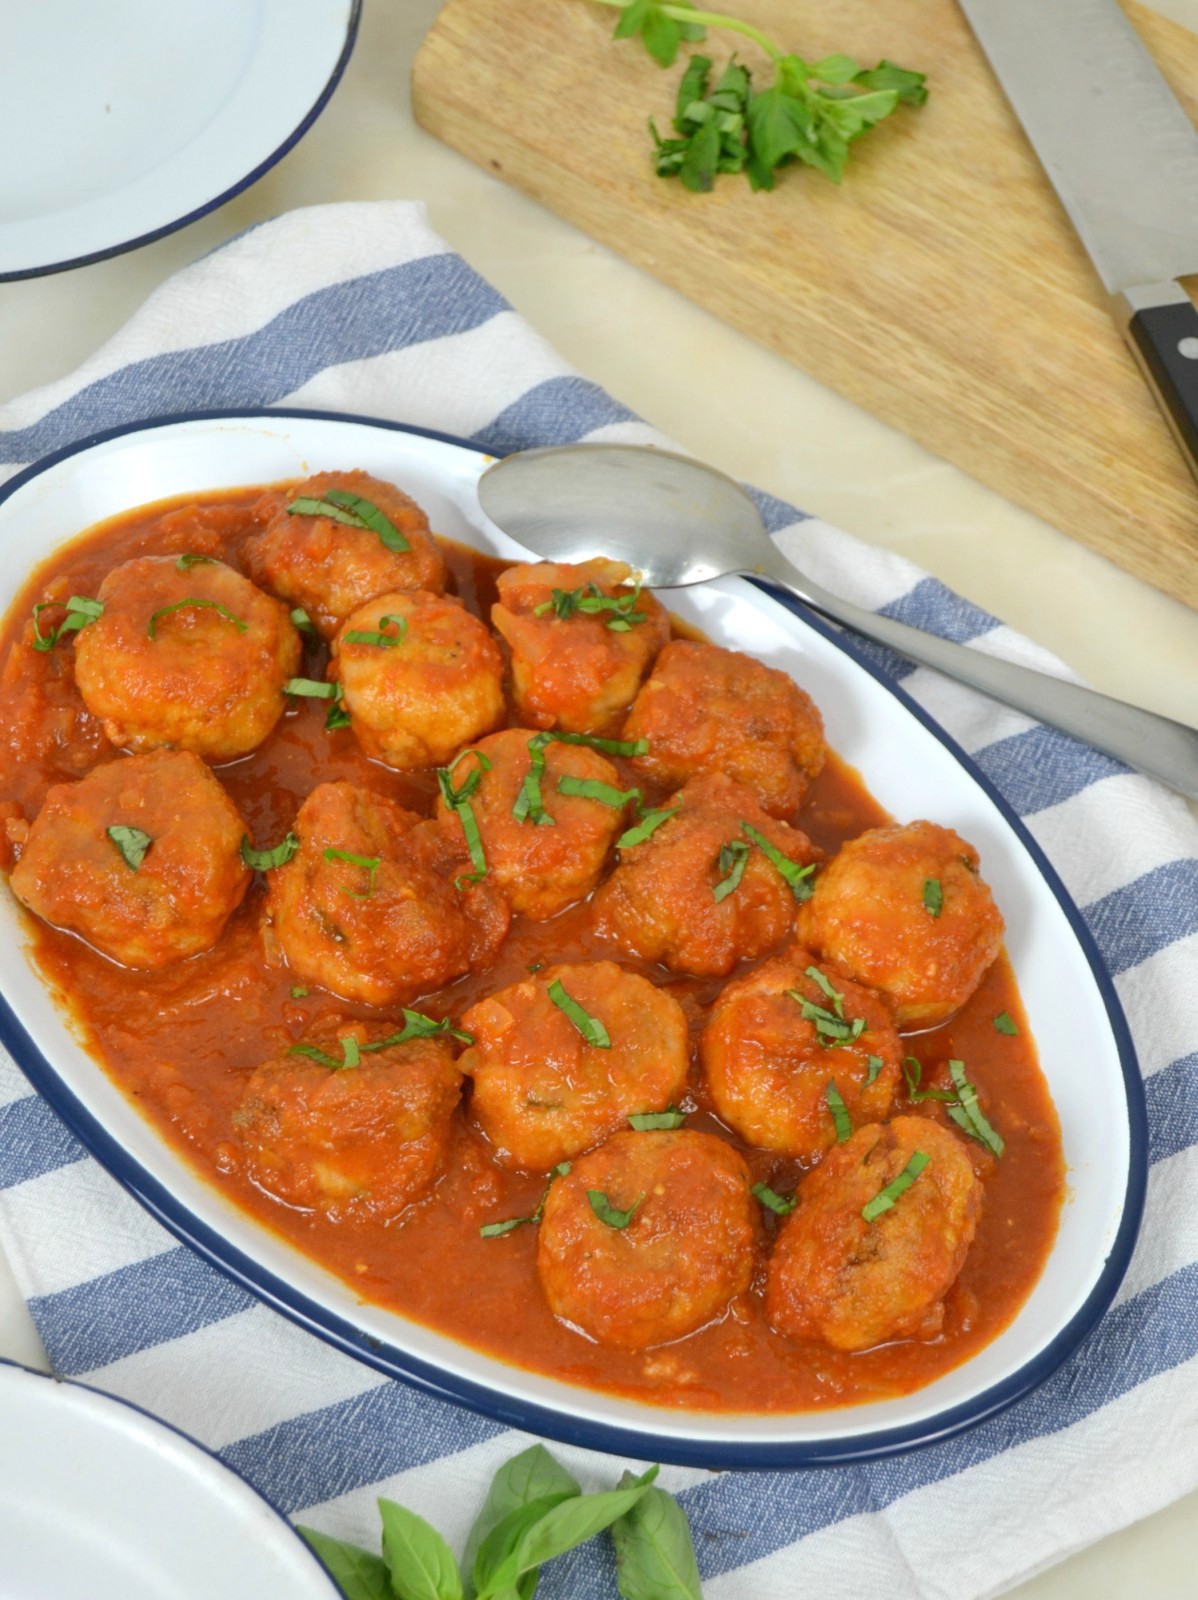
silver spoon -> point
(677, 522)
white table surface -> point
(756, 417)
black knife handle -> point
(1164, 340)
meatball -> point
(576, 669)
(331, 567)
(904, 910)
(541, 867)
(420, 677)
(369, 905)
(852, 1283)
(682, 1257)
(700, 892)
(142, 858)
(193, 658)
(778, 1038)
(542, 1091)
(705, 709)
(351, 1139)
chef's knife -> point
(1123, 157)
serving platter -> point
(913, 770)
(98, 1498)
(122, 122)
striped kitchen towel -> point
(361, 308)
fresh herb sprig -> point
(534, 1510)
(811, 112)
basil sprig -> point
(265, 860)
(840, 1112)
(369, 864)
(355, 512)
(591, 601)
(590, 1027)
(780, 1204)
(731, 864)
(132, 844)
(496, 1230)
(191, 603)
(885, 1198)
(458, 800)
(967, 1113)
(386, 641)
(611, 1216)
(80, 611)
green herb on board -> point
(80, 611)
(132, 844)
(590, 1027)
(885, 1198)
(355, 512)
(193, 605)
(265, 860)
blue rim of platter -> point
(231, 193)
(526, 1415)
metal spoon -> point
(678, 522)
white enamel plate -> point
(912, 769)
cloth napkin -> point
(361, 308)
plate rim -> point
(526, 1414)
(90, 258)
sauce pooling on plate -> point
(543, 976)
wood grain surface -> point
(941, 287)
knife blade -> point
(1123, 158)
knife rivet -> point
(1188, 348)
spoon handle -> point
(1156, 745)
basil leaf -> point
(351, 1053)
(358, 1574)
(609, 1214)
(353, 510)
(529, 804)
(875, 1064)
(474, 843)
(312, 689)
(337, 716)
(533, 1475)
(933, 896)
(831, 1029)
(264, 860)
(1005, 1023)
(913, 1072)
(80, 611)
(795, 875)
(189, 560)
(645, 828)
(655, 1557)
(493, 1575)
(459, 800)
(496, 1230)
(301, 620)
(418, 1026)
(192, 604)
(592, 789)
(132, 844)
(653, 1121)
(885, 1198)
(610, 747)
(369, 864)
(840, 1112)
(780, 1204)
(590, 601)
(590, 1027)
(298, 992)
(421, 1564)
(968, 1113)
(388, 641)
(822, 981)
(732, 859)
(563, 1527)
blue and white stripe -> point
(360, 308)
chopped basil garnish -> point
(840, 1112)
(459, 800)
(609, 747)
(80, 611)
(496, 1230)
(967, 1113)
(263, 860)
(875, 1064)
(418, 1026)
(132, 844)
(913, 1072)
(655, 1121)
(607, 1213)
(351, 1053)
(301, 620)
(387, 641)
(193, 604)
(646, 827)
(312, 689)
(933, 895)
(529, 804)
(353, 510)
(590, 1027)
(189, 560)
(831, 1026)
(593, 789)
(1005, 1023)
(886, 1197)
(590, 601)
(780, 1204)
(731, 865)
(795, 875)
(369, 864)
(298, 992)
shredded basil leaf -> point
(80, 611)
(496, 1230)
(417, 1025)
(590, 1027)
(886, 1197)
(132, 844)
(298, 992)
(875, 1065)
(610, 747)
(967, 1114)
(1005, 1023)
(189, 560)
(840, 1112)
(913, 1072)
(590, 601)
(646, 827)
(607, 1213)
(337, 716)
(933, 896)
(529, 803)
(387, 641)
(458, 800)
(193, 604)
(351, 1053)
(780, 1204)
(594, 789)
(301, 620)
(312, 689)
(263, 860)
(369, 864)
(654, 1121)
(831, 1027)
(731, 864)
(796, 876)
(353, 510)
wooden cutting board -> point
(941, 287)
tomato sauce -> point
(182, 1044)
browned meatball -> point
(670, 898)
(852, 1283)
(141, 858)
(420, 676)
(905, 911)
(576, 669)
(705, 709)
(329, 567)
(193, 658)
(541, 867)
(542, 1092)
(778, 1038)
(349, 1140)
(368, 906)
(684, 1255)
